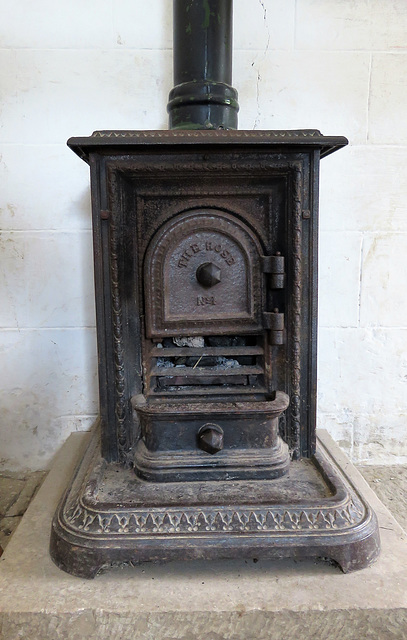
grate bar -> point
(205, 351)
(212, 391)
(198, 372)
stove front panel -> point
(191, 243)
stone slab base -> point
(211, 600)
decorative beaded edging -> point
(213, 133)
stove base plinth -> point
(240, 464)
(108, 516)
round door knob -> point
(208, 274)
(210, 438)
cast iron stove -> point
(205, 246)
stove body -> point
(206, 246)
(205, 254)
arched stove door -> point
(202, 275)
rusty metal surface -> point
(171, 445)
(108, 516)
(128, 140)
(177, 302)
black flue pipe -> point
(203, 96)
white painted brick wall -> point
(68, 68)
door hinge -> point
(274, 322)
(274, 266)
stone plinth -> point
(195, 600)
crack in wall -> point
(263, 57)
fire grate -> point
(196, 365)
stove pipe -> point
(203, 97)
